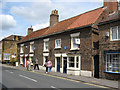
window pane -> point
(46, 45)
(113, 62)
(74, 44)
(114, 33)
(71, 61)
(77, 62)
(119, 32)
(58, 43)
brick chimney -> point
(30, 30)
(54, 17)
(112, 5)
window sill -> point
(112, 72)
(45, 51)
(57, 48)
(115, 40)
(73, 68)
(75, 49)
(32, 52)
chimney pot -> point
(30, 30)
(54, 17)
(112, 5)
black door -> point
(64, 64)
(58, 64)
(96, 66)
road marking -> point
(55, 88)
(95, 85)
(8, 71)
(28, 78)
(11, 72)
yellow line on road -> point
(67, 79)
(72, 80)
(95, 85)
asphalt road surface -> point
(13, 78)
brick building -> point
(72, 44)
(8, 48)
(109, 39)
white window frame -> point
(22, 48)
(46, 40)
(21, 60)
(111, 64)
(56, 43)
(75, 63)
(31, 46)
(45, 55)
(112, 33)
(74, 35)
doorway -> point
(58, 64)
(64, 64)
(96, 66)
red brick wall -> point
(106, 45)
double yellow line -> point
(70, 80)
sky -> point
(16, 16)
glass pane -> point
(119, 32)
(114, 33)
(71, 61)
(77, 65)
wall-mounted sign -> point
(65, 47)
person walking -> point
(28, 65)
(36, 64)
(46, 66)
(49, 65)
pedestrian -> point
(46, 66)
(28, 65)
(49, 65)
(36, 64)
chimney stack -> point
(54, 17)
(30, 30)
(112, 5)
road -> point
(13, 78)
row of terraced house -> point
(86, 45)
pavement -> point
(90, 80)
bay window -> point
(113, 62)
(74, 62)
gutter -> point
(54, 33)
(107, 22)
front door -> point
(58, 64)
(96, 66)
(64, 64)
(23, 59)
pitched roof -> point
(71, 23)
(11, 37)
(111, 17)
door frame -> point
(96, 61)
(63, 64)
